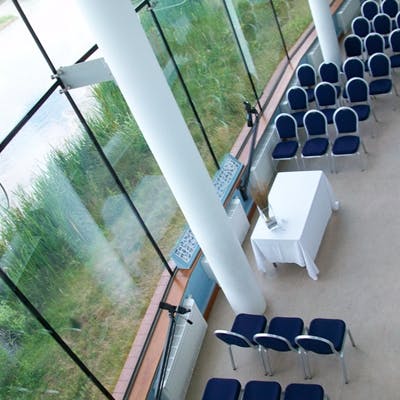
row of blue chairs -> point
(229, 389)
(346, 143)
(324, 336)
(370, 8)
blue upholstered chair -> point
(360, 26)
(347, 141)
(329, 72)
(391, 8)
(222, 388)
(317, 143)
(327, 102)
(381, 76)
(304, 391)
(286, 128)
(307, 78)
(374, 43)
(244, 327)
(280, 337)
(382, 24)
(394, 40)
(297, 99)
(353, 67)
(369, 9)
(353, 46)
(262, 390)
(359, 99)
(326, 336)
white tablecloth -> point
(302, 202)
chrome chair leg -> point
(267, 371)
(345, 377)
(232, 360)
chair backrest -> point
(286, 126)
(346, 121)
(222, 388)
(394, 40)
(390, 7)
(315, 123)
(374, 43)
(261, 390)
(306, 75)
(369, 9)
(315, 344)
(297, 98)
(325, 94)
(379, 66)
(357, 90)
(361, 26)
(329, 72)
(353, 67)
(353, 46)
(382, 24)
(232, 338)
(274, 342)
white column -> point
(128, 53)
(325, 27)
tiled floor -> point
(359, 281)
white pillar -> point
(129, 55)
(326, 32)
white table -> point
(302, 202)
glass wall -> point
(91, 220)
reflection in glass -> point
(125, 147)
(75, 249)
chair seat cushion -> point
(310, 94)
(286, 149)
(363, 111)
(348, 144)
(328, 112)
(380, 86)
(255, 390)
(298, 116)
(222, 388)
(331, 329)
(315, 147)
(288, 327)
(304, 391)
(248, 325)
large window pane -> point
(20, 62)
(73, 245)
(204, 47)
(110, 119)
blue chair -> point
(394, 40)
(352, 67)
(317, 143)
(391, 8)
(327, 102)
(304, 391)
(353, 46)
(280, 337)
(326, 336)
(297, 99)
(329, 72)
(361, 27)
(359, 99)
(380, 73)
(286, 149)
(374, 43)
(369, 9)
(383, 25)
(307, 78)
(244, 327)
(222, 388)
(262, 390)
(347, 141)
